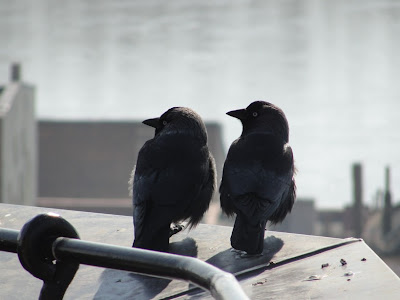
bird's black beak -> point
(239, 114)
(152, 122)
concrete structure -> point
(384, 244)
(18, 142)
(86, 165)
(302, 219)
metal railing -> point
(50, 249)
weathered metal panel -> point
(295, 258)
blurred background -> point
(95, 69)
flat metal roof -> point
(290, 267)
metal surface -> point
(38, 246)
(357, 279)
(282, 272)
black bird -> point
(258, 177)
(174, 179)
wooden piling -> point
(15, 72)
(357, 196)
(387, 208)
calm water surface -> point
(332, 66)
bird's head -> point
(178, 120)
(262, 116)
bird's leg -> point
(175, 228)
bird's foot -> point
(244, 254)
(175, 228)
(237, 251)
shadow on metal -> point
(49, 248)
(233, 261)
(261, 263)
(137, 286)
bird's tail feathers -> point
(152, 239)
(152, 228)
(246, 236)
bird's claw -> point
(237, 251)
(244, 254)
(175, 228)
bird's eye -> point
(164, 122)
(255, 114)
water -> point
(332, 66)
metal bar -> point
(8, 240)
(221, 284)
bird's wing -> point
(141, 193)
(254, 178)
(169, 176)
(288, 200)
(255, 172)
(204, 194)
(259, 189)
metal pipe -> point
(221, 284)
(8, 240)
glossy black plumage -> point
(174, 179)
(258, 177)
